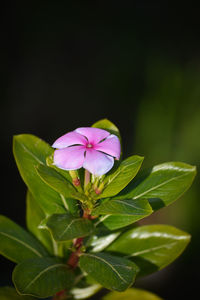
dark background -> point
(67, 64)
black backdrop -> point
(66, 64)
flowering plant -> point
(83, 203)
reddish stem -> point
(62, 295)
(74, 257)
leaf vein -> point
(44, 271)
(159, 185)
(21, 242)
(103, 260)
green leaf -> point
(17, 244)
(57, 182)
(113, 222)
(42, 277)
(151, 247)
(111, 272)
(9, 293)
(66, 227)
(34, 216)
(119, 178)
(29, 151)
(139, 208)
(130, 294)
(107, 125)
(162, 185)
(100, 243)
(83, 293)
(120, 213)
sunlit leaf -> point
(151, 247)
(119, 178)
(29, 151)
(162, 185)
(131, 294)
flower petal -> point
(71, 158)
(110, 146)
(94, 135)
(69, 139)
(97, 163)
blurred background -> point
(67, 64)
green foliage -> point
(112, 272)
(130, 294)
(99, 243)
(119, 178)
(124, 207)
(42, 277)
(9, 293)
(162, 185)
(114, 222)
(73, 224)
(120, 213)
(58, 182)
(151, 247)
(65, 227)
(30, 151)
(34, 217)
(17, 244)
(83, 293)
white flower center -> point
(89, 146)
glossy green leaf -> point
(99, 243)
(120, 213)
(162, 185)
(29, 151)
(83, 293)
(17, 244)
(34, 216)
(120, 177)
(131, 294)
(57, 182)
(9, 293)
(107, 125)
(42, 277)
(114, 222)
(66, 227)
(139, 208)
(110, 271)
(151, 247)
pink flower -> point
(91, 148)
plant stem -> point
(74, 257)
(87, 179)
(78, 243)
(62, 295)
